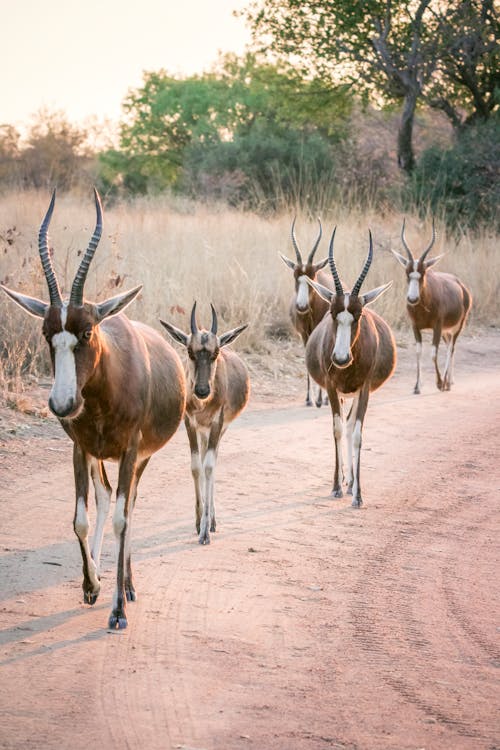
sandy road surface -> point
(306, 624)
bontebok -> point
(218, 389)
(307, 308)
(119, 393)
(435, 300)
(351, 353)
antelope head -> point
(203, 348)
(346, 307)
(303, 271)
(416, 268)
(70, 326)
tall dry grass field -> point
(183, 252)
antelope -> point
(218, 388)
(350, 353)
(435, 300)
(307, 308)
(119, 393)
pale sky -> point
(82, 57)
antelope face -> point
(74, 351)
(203, 351)
(415, 272)
(303, 291)
(346, 310)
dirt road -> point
(306, 624)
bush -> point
(462, 183)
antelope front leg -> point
(357, 432)
(308, 392)
(130, 593)
(196, 469)
(91, 585)
(436, 338)
(102, 490)
(418, 350)
(209, 462)
(121, 518)
(351, 420)
(336, 408)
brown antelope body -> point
(350, 353)
(307, 308)
(118, 392)
(218, 388)
(435, 300)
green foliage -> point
(176, 130)
(461, 183)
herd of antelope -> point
(120, 390)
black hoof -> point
(309, 402)
(213, 526)
(416, 390)
(89, 597)
(204, 540)
(116, 622)
(357, 502)
(336, 493)
(131, 595)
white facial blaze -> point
(342, 348)
(64, 387)
(302, 293)
(414, 286)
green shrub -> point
(461, 184)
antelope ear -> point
(369, 297)
(320, 265)
(114, 305)
(431, 261)
(400, 258)
(31, 304)
(175, 333)
(288, 262)
(323, 291)
(231, 335)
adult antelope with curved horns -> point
(435, 300)
(350, 353)
(218, 390)
(119, 393)
(307, 308)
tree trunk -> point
(406, 156)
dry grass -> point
(181, 252)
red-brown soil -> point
(306, 624)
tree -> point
(396, 51)
(174, 127)
(466, 86)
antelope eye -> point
(87, 334)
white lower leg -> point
(119, 524)
(418, 350)
(81, 526)
(208, 470)
(102, 499)
(356, 445)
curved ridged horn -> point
(294, 241)
(194, 327)
(408, 251)
(311, 254)
(76, 297)
(362, 275)
(338, 285)
(43, 249)
(214, 320)
(424, 254)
